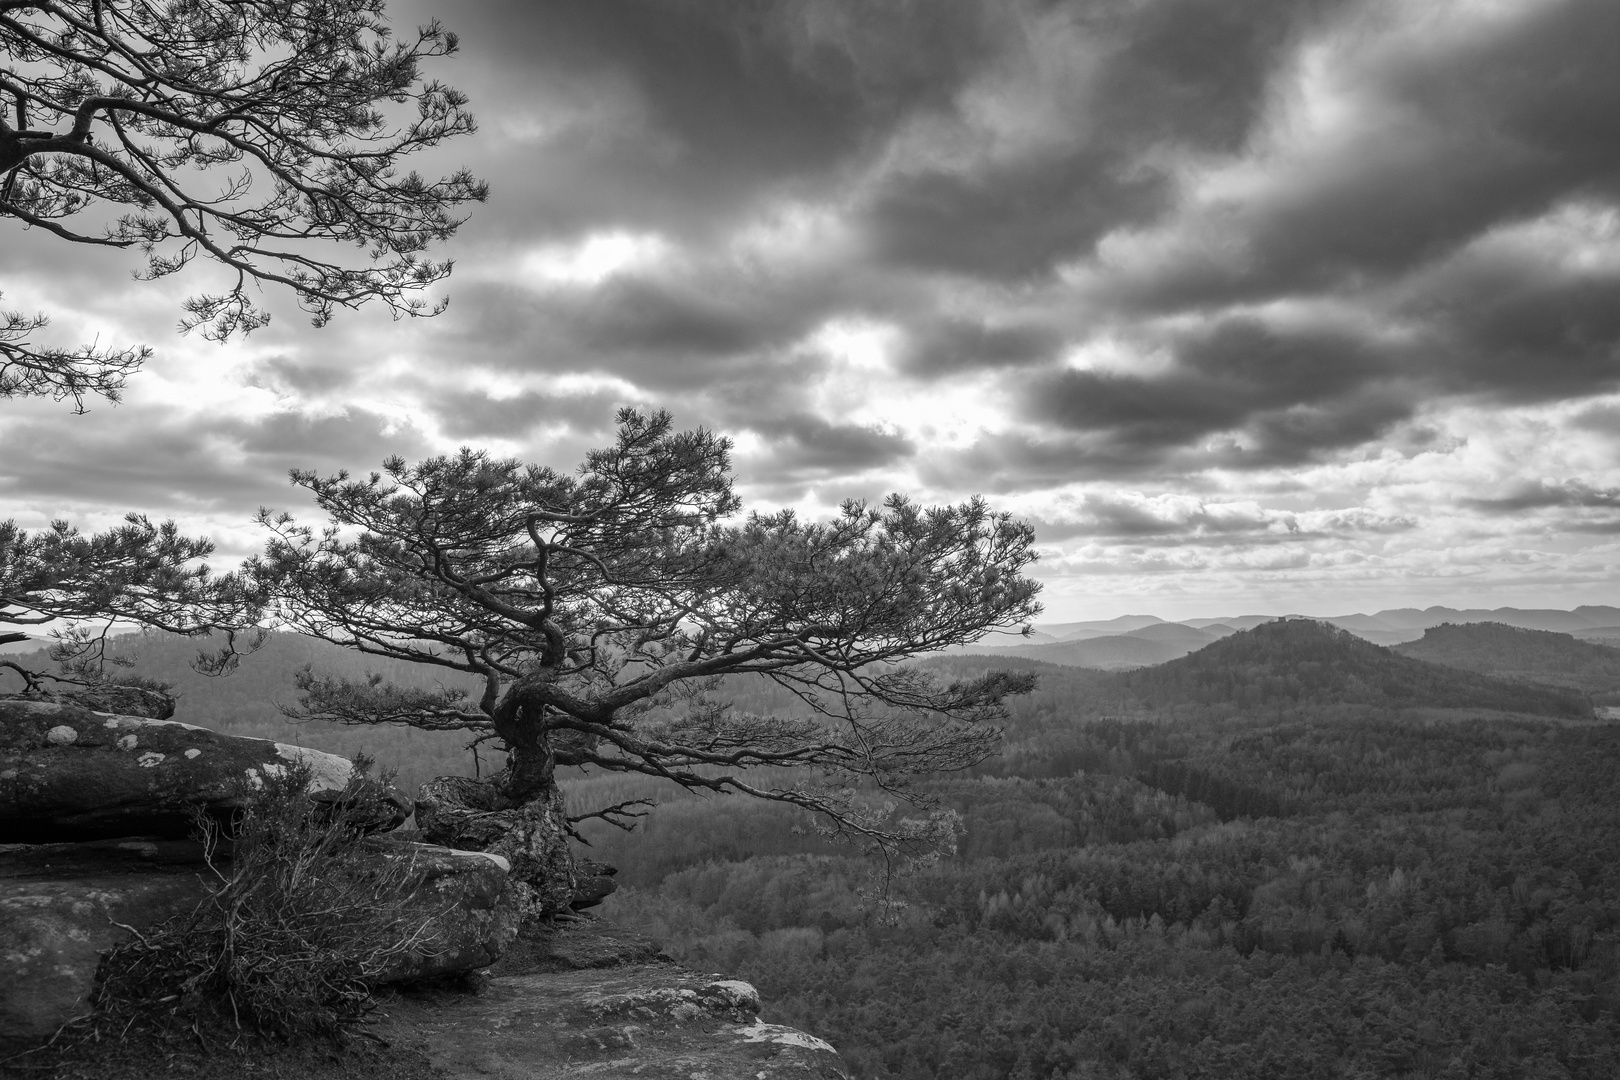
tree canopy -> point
(85, 585)
(255, 133)
(599, 610)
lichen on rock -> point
(629, 1013)
(69, 773)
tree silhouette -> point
(85, 586)
(255, 133)
(599, 612)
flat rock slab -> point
(577, 946)
(67, 773)
(656, 1021)
(112, 698)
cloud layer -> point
(1307, 306)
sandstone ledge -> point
(62, 906)
(68, 773)
(591, 1001)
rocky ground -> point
(590, 1000)
(578, 1000)
(100, 813)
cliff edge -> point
(588, 999)
(583, 1000)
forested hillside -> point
(1291, 854)
(1300, 661)
(1168, 873)
(1511, 652)
(1170, 640)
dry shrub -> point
(301, 929)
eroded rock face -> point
(117, 698)
(60, 906)
(627, 1016)
(69, 773)
(593, 883)
(375, 807)
(469, 892)
(460, 812)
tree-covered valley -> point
(1289, 854)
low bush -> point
(300, 930)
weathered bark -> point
(531, 767)
(475, 815)
(517, 813)
(12, 152)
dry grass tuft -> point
(292, 943)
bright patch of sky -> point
(1270, 307)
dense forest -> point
(1302, 662)
(1303, 857)
(1290, 854)
(1531, 655)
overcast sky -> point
(1278, 306)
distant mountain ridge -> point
(1513, 652)
(1152, 643)
(1307, 662)
(1143, 640)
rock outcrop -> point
(593, 883)
(588, 1001)
(104, 805)
(111, 697)
(68, 773)
(469, 894)
(62, 906)
(580, 1001)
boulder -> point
(121, 698)
(469, 893)
(69, 773)
(62, 906)
(593, 883)
(372, 806)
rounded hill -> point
(1544, 656)
(1307, 662)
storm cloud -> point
(1268, 300)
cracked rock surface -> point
(591, 1001)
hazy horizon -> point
(1207, 609)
